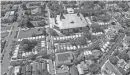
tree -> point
(87, 35)
(51, 32)
(5, 74)
(124, 56)
(113, 60)
(73, 42)
(52, 57)
(3, 13)
(81, 41)
(94, 68)
(127, 33)
(10, 53)
(45, 72)
(27, 12)
(24, 41)
(116, 52)
(42, 23)
(105, 18)
(78, 59)
(95, 19)
(62, 16)
(44, 32)
(16, 63)
(9, 6)
(121, 31)
(33, 42)
(27, 45)
(32, 57)
(97, 29)
(34, 35)
(86, 29)
(77, 52)
(25, 22)
(92, 58)
(23, 5)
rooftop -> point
(71, 21)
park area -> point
(30, 32)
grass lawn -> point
(28, 33)
(5, 28)
(3, 35)
(63, 57)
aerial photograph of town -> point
(65, 37)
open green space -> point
(29, 33)
(63, 57)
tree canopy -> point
(27, 45)
(23, 5)
(124, 56)
(55, 9)
(94, 68)
(113, 60)
(51, 32)
(25, 22)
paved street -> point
(6, 61)
(50, 42)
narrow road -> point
(50, 42)
(6, 60)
